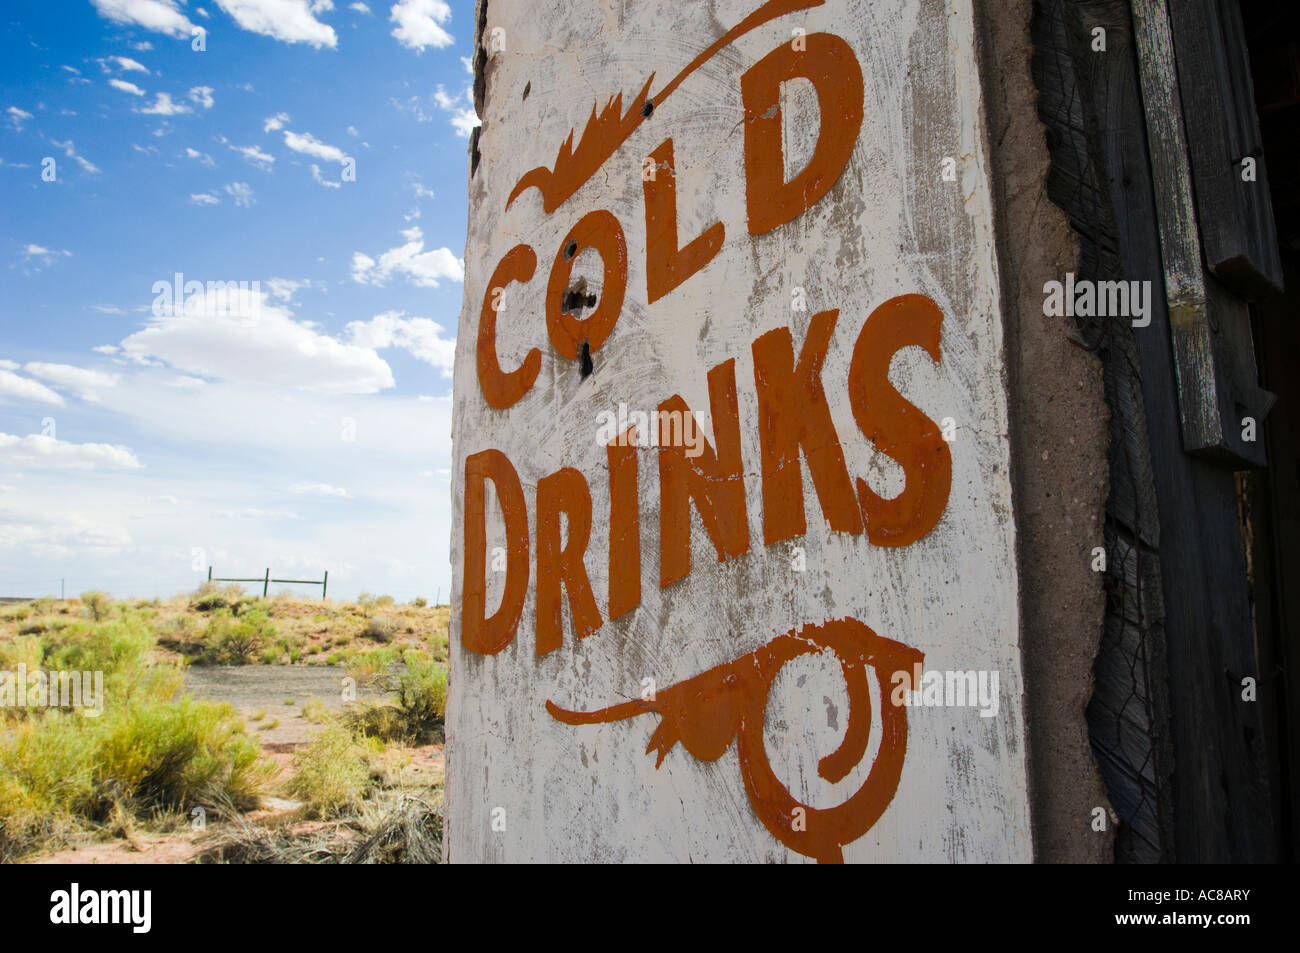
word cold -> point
(824, 60)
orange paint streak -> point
(610, 128)
(706, 712)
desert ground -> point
(234, 729)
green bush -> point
(380, 629)
(284, 648)
(98, 604)
(371, 668)
(421, 707)
(313, 710)
(422, 692)
(61, 771)
(209, 597)
(331, 775)
(236, 641)
(173, 756)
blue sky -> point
(315, 148)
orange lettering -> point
(793, 414)
(564, 491)
(500, 389)
(487, 636)
(828, 62)
(599, 230)
(897, 427)
(624, 527)
(714, 482)
(667, 266)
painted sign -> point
(733, 555)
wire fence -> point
(266, 581)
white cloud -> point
(37, 450)
(125, 64)
(202, 157)
(359, 7)
(285, 288)
(418, 23)
(106, 348)
(415, 106)
(254, 513)
(464, 122)
(58, 533)
(204, 198)
(317, 489)
(126, 87)
(241, 193)
(423, 268)
(46, 255)
(421, 337)
(186, 382)
(163, 106)
(443, 100)
(238, 446)
(309, 145)
(266, 346)
(292, 21)
(18, 117)
(263, 160)
(273, 123)
(85, 382)
(70, 150)
(11, 385)
(328, 183)
(202, 95)
(161, 16)
(463, 118)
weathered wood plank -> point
(1221, 804)
(1234, 212)
(1206, 410)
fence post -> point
(266, 582)
(323, 584)
(209, 574)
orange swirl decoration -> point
(707, 711)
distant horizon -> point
(301, 596)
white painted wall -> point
(890, 226)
